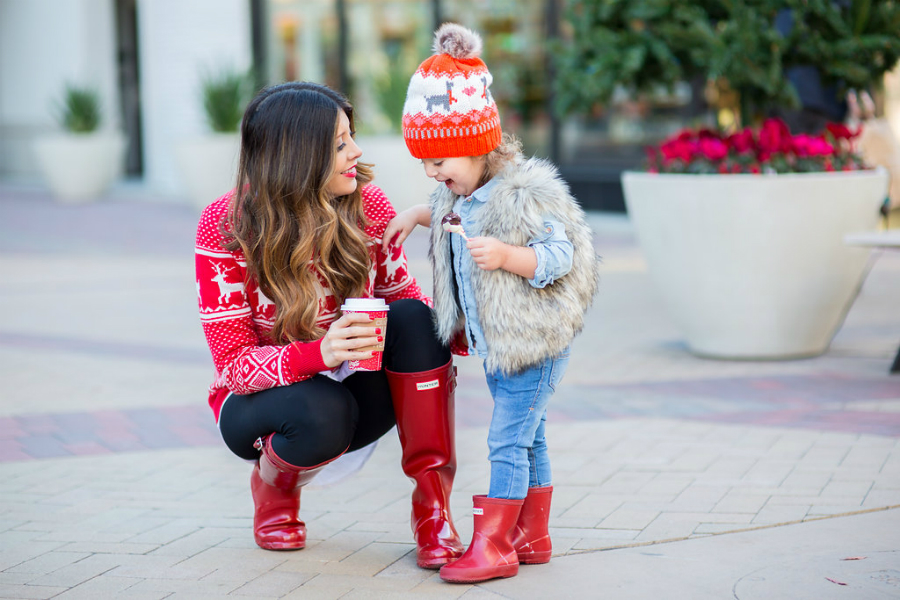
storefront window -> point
(387, 39)
(302, 40)
(514, 34)
(383, 41)
(386, 42)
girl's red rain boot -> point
(491, 553)
(276, 486)
(423, 404)
(531, 537)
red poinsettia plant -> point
(769, 149)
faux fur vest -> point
(522, 325)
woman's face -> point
(460, 174)
(343, 179)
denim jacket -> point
(517, 322)
(552, 249)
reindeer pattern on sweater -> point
(237, 317)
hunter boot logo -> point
(428, 385)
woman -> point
(275, 259)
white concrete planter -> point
(755, 266)
(79, 167)
(208, 166)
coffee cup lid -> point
(364, 304)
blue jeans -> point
(516, 443)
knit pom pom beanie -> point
(449, 111)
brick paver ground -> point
(114, 483)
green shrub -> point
(645, 46)
(225, 96)
(79, 111)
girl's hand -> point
(491, 254)
(403, 224)
(346, 336)
(487, 252)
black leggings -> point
(316, 419)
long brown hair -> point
(283, 217)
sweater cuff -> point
(305, 358)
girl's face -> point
(343, 179)
(460, 174)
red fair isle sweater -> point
(237, 318)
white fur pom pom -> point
(457, 41)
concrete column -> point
(178, 40)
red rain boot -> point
(424, 406)
(531, 538)
(491, 553)
(275, 486)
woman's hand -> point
(347, 336)
(404, 223)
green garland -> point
(646, 46)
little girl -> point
(514, 273)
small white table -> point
(878, 239)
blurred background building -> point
(147, 57)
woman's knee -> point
(410, 314)
(412, 344)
